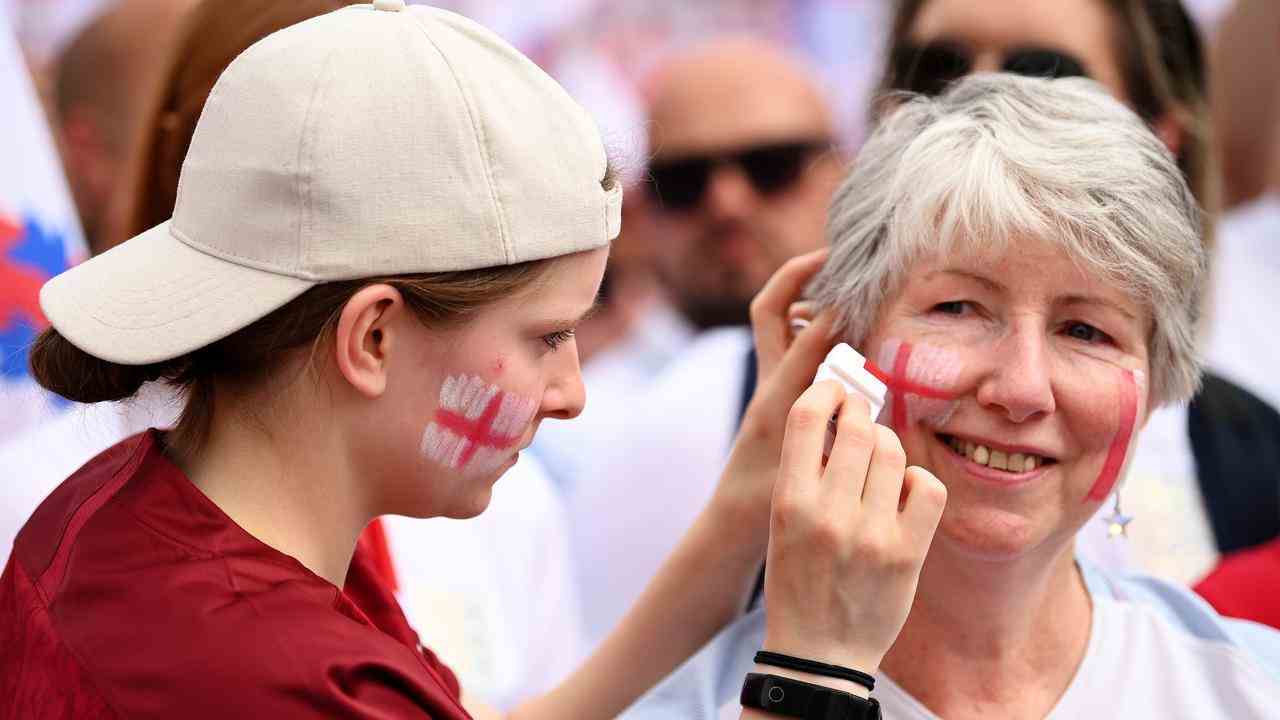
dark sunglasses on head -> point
(678, 183)
(929, 69)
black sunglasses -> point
(929, 69)
(679, 183)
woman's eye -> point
(556, 339)
(1086, 333)
(953, 307)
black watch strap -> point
(787, 697)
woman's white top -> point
(1156, 652)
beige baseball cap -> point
(375, 140)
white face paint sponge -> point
(844, 365)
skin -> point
(990, 29)
(362, 434)
(96, 119)
(725, 96)
(1245, 99)
(1044, 349)
(304, 462)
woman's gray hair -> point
(1001, 158)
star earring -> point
(1117, 521)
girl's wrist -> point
(842, 685)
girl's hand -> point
(848, 537)
(785, 369)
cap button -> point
(388, 5)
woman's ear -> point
(365, 337)
(1171, 133)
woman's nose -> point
(565, 395)
(1019, 383)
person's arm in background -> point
(843, 561)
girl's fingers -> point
(855, 441)
(769, 320)
(884, 475)
(924, 497)
(801, 465)
(781, 385)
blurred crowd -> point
(733, 123)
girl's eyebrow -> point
(595, 307)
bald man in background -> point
(100, 81)
(740, 175)
(743, 165)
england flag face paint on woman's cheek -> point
(1131, 394)
(476, 425)
(921, 380)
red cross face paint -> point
(1131, 392)
(921, 381)
(476, 426)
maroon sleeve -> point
(367, 588)
(39, 677)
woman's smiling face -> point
(1028, 380)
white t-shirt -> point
(1156, 652)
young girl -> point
(388, 224)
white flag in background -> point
(39, 233)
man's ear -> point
(365, 337)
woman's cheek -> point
(1124, 402)
(921, 381)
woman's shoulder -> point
(1156, 612)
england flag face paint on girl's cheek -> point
(476, 425)
(921, 381)
(1132, 392)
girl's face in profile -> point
(471, 396)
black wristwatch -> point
(784, 696)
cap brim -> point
(154, 298)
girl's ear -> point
(365, 337)
(1171, 133)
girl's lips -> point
(989, 475)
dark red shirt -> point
(129, 594)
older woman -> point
(1021, 259)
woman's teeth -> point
(983, 455)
